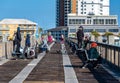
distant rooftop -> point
(59, 28)
(17, 21)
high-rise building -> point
(93, 15)
(63, 8)
(80, 7)
(95, 7)
(59, 12)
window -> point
(88, 30)
(100, 30)
(73, 21)
(107, 21)
(77, 21)
(101, 21)
(95, 21)
(115, 22)
(83, 21)
(113, 30)
(89, 21)
(72, 30)
(70, 21)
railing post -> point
(119, 58)
(106, 53)
(6, 56)
(114, 54)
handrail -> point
(110, 53)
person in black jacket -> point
(18, 40)
(80, 36)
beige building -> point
(9, 26)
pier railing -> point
(110, 53)
(6, 48)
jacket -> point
(80, 35)
(93, 53)
(27, 42)
(18, 35)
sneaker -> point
(97, 67)
(80, 49)
(83, 67)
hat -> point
(81, 27)
(93, 44)
(18, 28)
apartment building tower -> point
(93, 15)
(63, 8)
(79, 7)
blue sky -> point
(40, 11)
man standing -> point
(80, 36)
(18, 40)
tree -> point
(118, 35)
(39, 30)
(96, 34)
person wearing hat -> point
(92, 55)
(18, 40)
(80, 36)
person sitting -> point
(86, 41)
(44, 45)
(92, 56)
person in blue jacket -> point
(27, 41)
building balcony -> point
(28, 29)
(4, 29)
